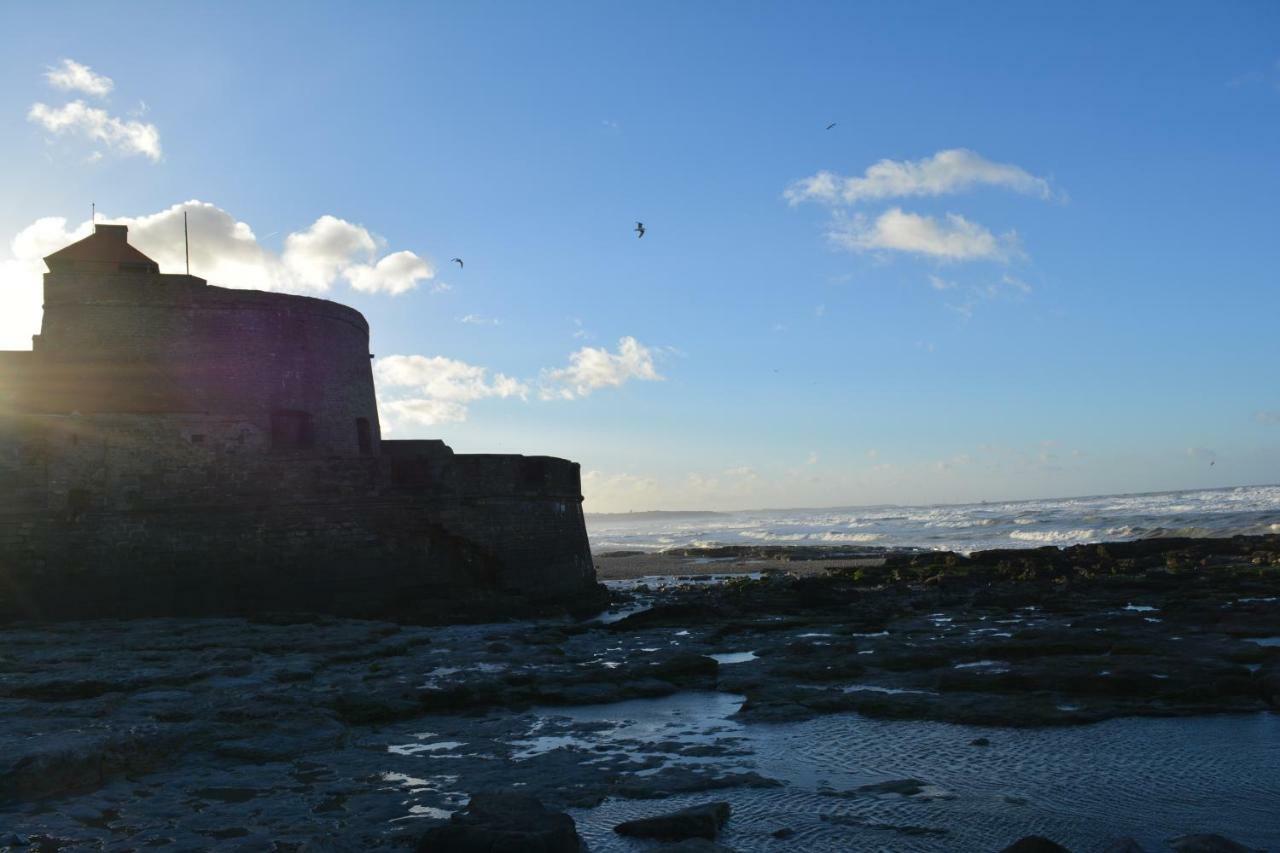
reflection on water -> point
(1082, 786)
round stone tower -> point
(120, 338)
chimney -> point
(114, 233)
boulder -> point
(695, 822)
(504, 823)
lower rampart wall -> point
(126, 516)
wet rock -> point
(695, 822)
(77, 761)
(1035, 844)
(1207, 843)
(504, 823)
(905, 787)
(362, 709)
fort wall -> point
(173, 448)
(173, 344)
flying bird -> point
(459, 262)
(639, 229)
(833, 124)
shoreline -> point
(279, 732)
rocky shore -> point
(310, 733)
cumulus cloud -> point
(479, 320)
(397, 273)
(317, 254)
(224, 250)
(946, 172)
(952, 238)
(71, 76)
(416, 389)
(593, 368)
(124, 136)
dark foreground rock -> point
(504, 823)
(695, 822)
(1209, 843)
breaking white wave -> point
(824, 537)
(1054, 537)
(967, 527)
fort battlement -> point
(172, 447)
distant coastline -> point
(656, 514)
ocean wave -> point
(971, 527)
(826, 536)
(1054, 537)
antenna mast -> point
(93, 213)
(186, 244)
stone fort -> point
(168, 447)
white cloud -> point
(421, 411)
(316, 255)
(953, 238)
(126, 137)
(938, 283)
(1267, 417)
(397, 273)
(592, 368)
(813, 458)
(416, 389)
(71, 76)
(946, 172)
(744, 472)
(224, 250)
(479, 320)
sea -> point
(962, 528)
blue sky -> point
(1062, 281)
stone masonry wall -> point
(125, 515)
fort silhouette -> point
(168, 447)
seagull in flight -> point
(639, 229)
(833, 124)
(459, 262)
